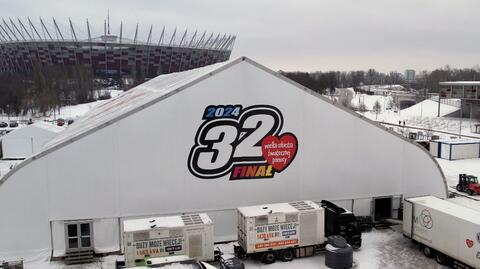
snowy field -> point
(66, 112)
(421, 115)
(381, 249)
(451, 169)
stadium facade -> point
(23, 44)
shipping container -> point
(447, 231)
(455, 149)
(298, 226)
(190, 235)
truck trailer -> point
(190, 235)
(284, 231)
(446, 231)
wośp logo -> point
(426, 219)
(246, 143)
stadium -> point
(24, 44)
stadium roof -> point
(13, 31)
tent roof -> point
(136, 99)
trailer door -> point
(408, 218)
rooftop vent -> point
(301, 206)
(192, 219)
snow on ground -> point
(380, 249)
(428, 108)
(451, 169)
(67, 112)
(445, 124)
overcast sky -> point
(297, 35)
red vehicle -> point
(468, 184)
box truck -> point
(190, 235)
(283, 231)
(446, 231)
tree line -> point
(47, 88)
(323, 82)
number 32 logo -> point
(243, 142)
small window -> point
(73, 243)
(72, 230)
(85, 229)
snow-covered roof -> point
(133, 100)
(460, 83)
(458, 141)
(145, 224)
(284, 208)
(48, 126)
(27, 130)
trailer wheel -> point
(287, 255)
(269, 257)
(427, 251)
(470, 192)
(441, 258)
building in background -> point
(469, 94)
(409, 76)
(23, 44)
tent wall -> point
(137, 166)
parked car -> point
(13, 124)
(60, 122)
(3, 124)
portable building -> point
(208, 140)
(188, 235)
(28, 140)
(455, 149)
(278, 226)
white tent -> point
(28, 140)
(206, 140)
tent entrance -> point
(382, 208)
(78, 235)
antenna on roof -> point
(108, 20)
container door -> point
(196, 245)
(79, 235)
(407, 218)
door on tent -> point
(79, 235)
(382, 207)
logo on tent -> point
(246, 143)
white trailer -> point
(284, 230)
(190, 235)
(447, 231)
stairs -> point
(79, 256)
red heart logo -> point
(279, 151)
(469, 243)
